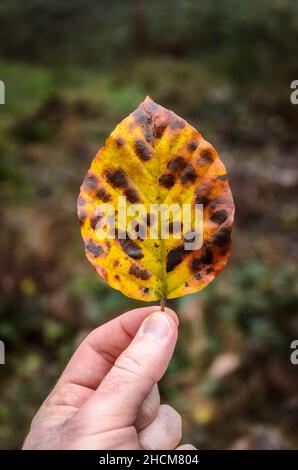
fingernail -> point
(156, 326)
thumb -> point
(118, 398)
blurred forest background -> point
(73, 69)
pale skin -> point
(107, 397)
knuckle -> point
(67, 394)
(128, 371)
(61, 395)
(148, 410)
(114, 382)
(171, 421)
(127, 363)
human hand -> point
(107, 397)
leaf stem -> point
(162, 304)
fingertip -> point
(159, 326)
(131, 320)
(171, 313)
(186, 447)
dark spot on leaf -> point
(186, 284)
(81, 201)
(188, 175)
(82, 216)
(96, 250)
(219, 217)
(120, 142)
(195, 264)
(132, 195)
(177, 163)
(159, 129)
(222, 237)
(117, 277)
(142, 117)
(131, 248)
(103, 195)
(149, 135)
(175, 257)
(192, 146)
(116, 263)
(167, 180)
(205, 158)
(224, 250)
(95, 220)
(216, 202)
(117, 178)
(145, 290)
(207, 258)
(209, 270)
(176, 122)
(202, 200)
(90, 182)
(203, 190)
(139, 273)
(143, 150)
(198, 276)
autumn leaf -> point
(154, 156)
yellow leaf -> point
(155, 157)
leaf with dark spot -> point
(219, 217)
(116, 178)
(155, 157)
(175, 257)
(103, 195)
(132, 195)
(139, 273)
(176, 164)
(192, 146)
(205, 157)
(96, 250)
(143, 150)
(131, 248)
(90, 182)
(167, 180)
(188, 175)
